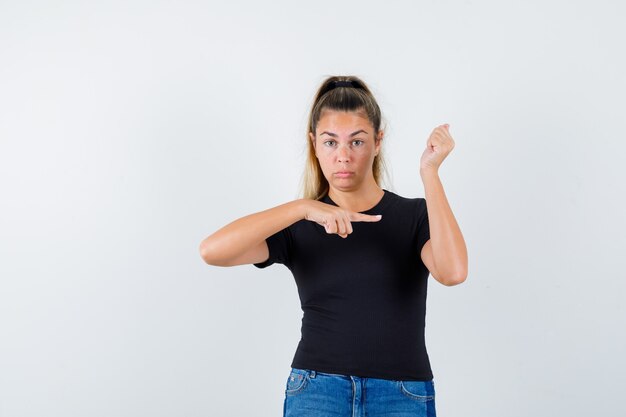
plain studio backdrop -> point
(131, 130)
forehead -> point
(343, 120)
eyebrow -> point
(335, 135)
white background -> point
(131, 130)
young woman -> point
(361, 256)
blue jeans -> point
(309, 393)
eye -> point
(358, 140)
(325, 143)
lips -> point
(344, 174)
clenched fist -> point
(438, 146)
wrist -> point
(301, 208)
(429, 172)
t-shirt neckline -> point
(372, 210)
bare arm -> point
(243, 240)
(445, 252)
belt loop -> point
(312, 374)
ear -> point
(378, 144)
(312, 138)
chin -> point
(345, 185)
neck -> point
(361, 199)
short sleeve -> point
(279, 246)
(423, 227)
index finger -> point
(361, 217)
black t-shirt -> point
(363, 297)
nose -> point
(343, 154)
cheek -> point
(324, 154)
(323, 160)
(364, 155)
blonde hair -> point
(343, 98)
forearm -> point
(244, 233)
(447, 243)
